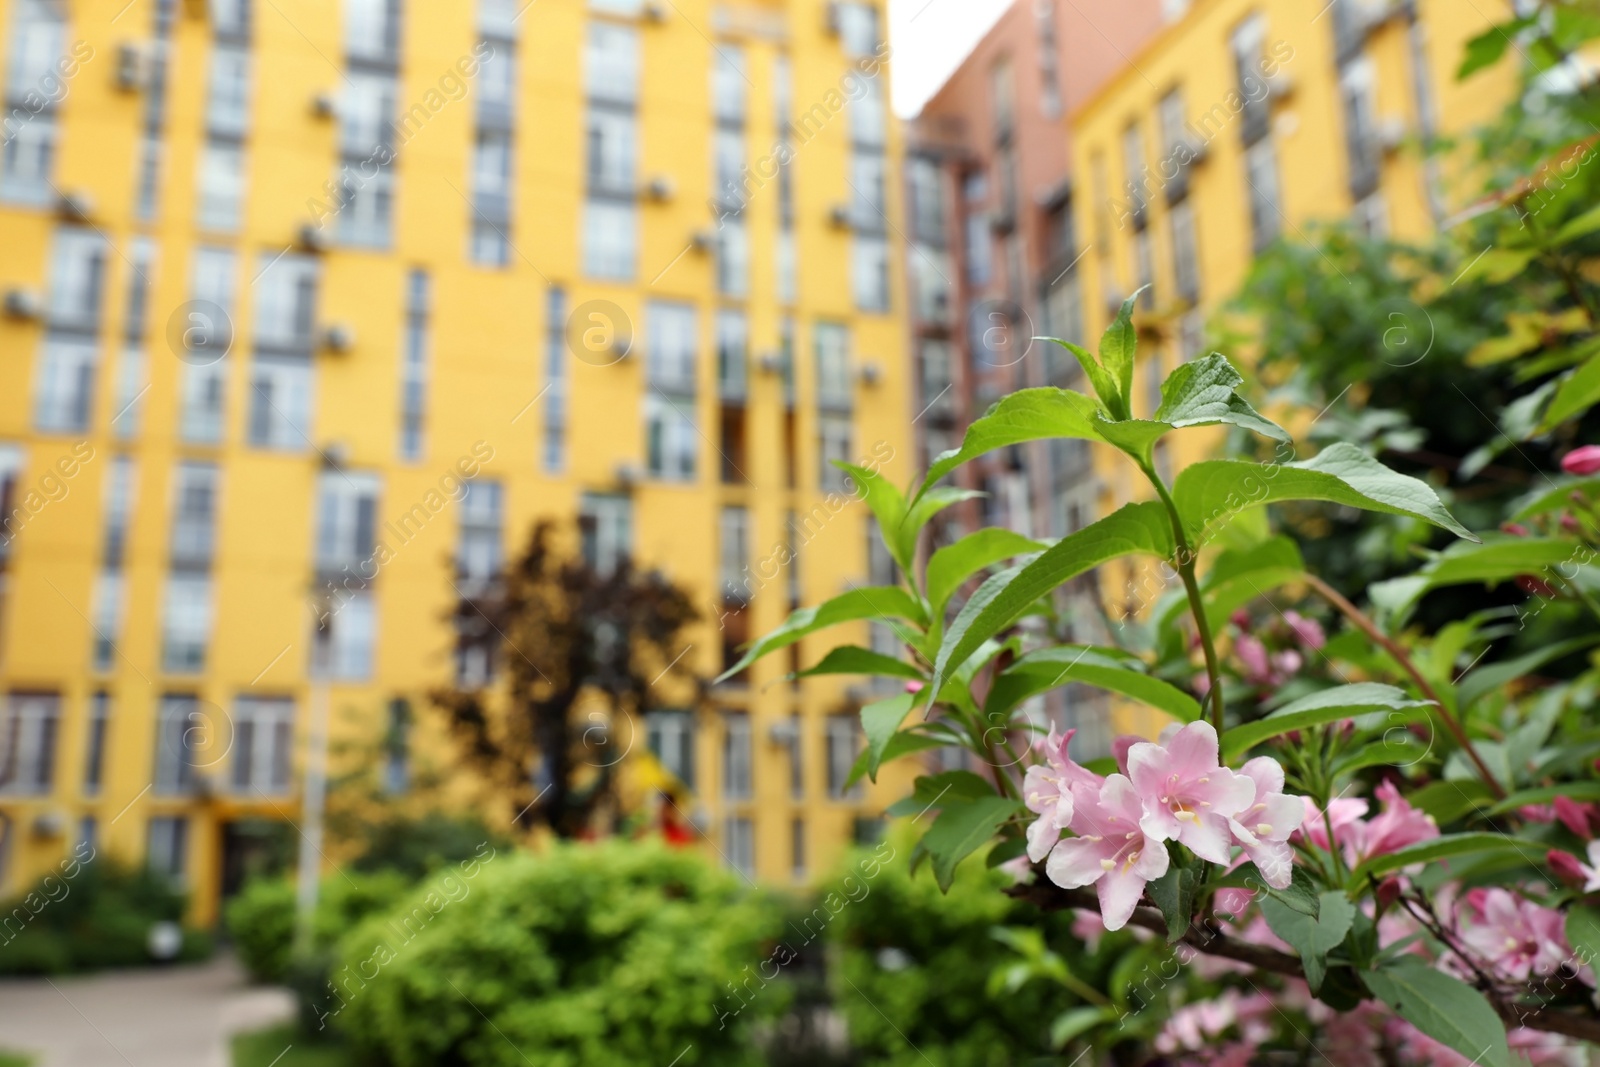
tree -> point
(579, 650)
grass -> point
(14, 1059)
(264, 1048)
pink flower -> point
(1513, 936)
(1398, 825)
(1591, 870)
(1307, 631)
(1286, 664)
(1345, 814)
(1565, 866)
(1120, 746)
(1111, 852)
(1515, 529)
(1047, 791)
(915, 686)
(1264, 827)
(1253, 659)
(1188, 795)
(1582, 819)
(1584, 460)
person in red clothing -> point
(675, 826)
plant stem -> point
(1185, 564)
(1391, 646)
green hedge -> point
(261, 918)
(580, 956)
(90, 914)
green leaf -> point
(880, 721)
(1577, 393)
(1500, 558)
(1545, 794)
(1435, 849)
(1300, 894)
(1105, 386)
(871, 602)
(954, 564)
(885, 502)
(1173, 894)
(1580, 226)
(1104, 668)
(1481, 681)
(999, 602)
(1209, 493)
(1029, 415)
(1583, 933)
(1445, 1008)
(930, 790)
(1557, 499)
(1498, 265)
(1486, 49)
(925, 507)
(1448, 800)
(1077, 1022)
(1312, 938)
(963, 826)
(1118, 347)
(1329, 705)
(903, 743)
(853, 659)
(1204, 392)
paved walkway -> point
(175, 1017)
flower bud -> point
(1388, 892)
(1584, 460)
(1536, 586)
(1582, 819)
(1565, 866)
(1569, 523)
(1515, 529)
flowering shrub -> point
(1349, 840)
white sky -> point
(930, 39)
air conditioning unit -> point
(335, 455)
(324, 106)
(49, 824)
(870, 374)
(1280, 86)
(832, 19)
(658, 189)
(770, 363)
(653, 11)
(784, 732)
(338, 338)
(128, 73)
(312, 239)
(628, 475)
(702, 240)
(23, 304)
(1198, 150)
(75, 205)
(1391, 133)
(840, 217)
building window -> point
(167, 853)
(352, 636)
(28, 755)
(228, 98)
(178, 723)
(833, 432)
(194, 515)
(414, 366)
(795, 742)
(1261, 178)
(729, 82)
(610, 237)
(110, 591)
(1247, 41)
(280, 402)
(203, 399)
(672, 440)
(263, 745)
(736, 758)
(843, 743)
(372, 31)
(39, 38)
(286, 297)
(605, 522)
(733, 346)
(734, 553)
(979, 240)
(797, 848)
(479, 554)
(1136, 172)
(672, 348)
(66, 383)
(221, 186)
(397, 748)
(611, 63)
(366, 203)
(869, 256)
(926, 181)
(670, 738)
(1357, 90)
(347, 522)
(832, 349)
(733, 257)
(741, 843)
(186, 623)
(94, 745)
(555, 403)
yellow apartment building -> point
(1243, 121)
(299, 290)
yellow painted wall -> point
(488, 361)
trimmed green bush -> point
(261, 918)
(90, 914)
(619, 954)
(912, 965)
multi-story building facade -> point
(312, 310)
(993, 261)
(1244, 121)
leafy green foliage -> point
(261, 919)
(591, 955)
(1445, 1008)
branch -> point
(1212, 941)
(1389, 645)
